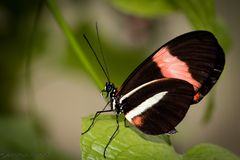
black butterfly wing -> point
(156, 107)
(195, 57)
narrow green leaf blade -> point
(202, 16)
(210, 107)
(144, 8)
(53, 7)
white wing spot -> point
(136, 89)
(148, 103)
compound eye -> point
(109, 88)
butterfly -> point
(158, 93)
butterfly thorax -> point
(110, 92)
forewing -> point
(158, 106)
(195, 57)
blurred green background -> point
(45, 90)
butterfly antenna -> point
(101, 51)
(113, 136)
(96, 57)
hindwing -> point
(159, 105)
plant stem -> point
(72, 40)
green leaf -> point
(202, 16)
(209, 152)
(17, 134)
(129, 144)
(144, 8)
(20, 140)
(126, 145)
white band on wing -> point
(148, 103)
(136, 89)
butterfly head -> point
(109, 90)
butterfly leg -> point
(125, 123)
(99, 112)
(95, 116)
(113, 136)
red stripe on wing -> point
(172, 67)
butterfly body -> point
(157, 94)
